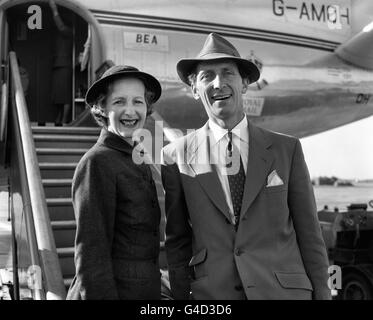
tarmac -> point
(5, 225)
(5, 233)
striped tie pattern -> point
(236, 181)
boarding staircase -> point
(41, 162)
(59, 150)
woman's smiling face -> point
(126, 106)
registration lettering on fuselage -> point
(320, 13)
(253, 106)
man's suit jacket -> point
(276, 253)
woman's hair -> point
(98, 107)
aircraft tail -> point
(359, 49)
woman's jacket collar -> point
(114, 141)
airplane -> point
(315, 57)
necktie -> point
(236, 181)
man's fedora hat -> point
(217, 48)
(119, 71)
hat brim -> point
(100, 85)
(186, 66)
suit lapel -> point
(198, 157)
(259, 164)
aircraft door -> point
(40, 59)
(36, 47)
(33, 48)
(3, 45)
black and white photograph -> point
(186, 154)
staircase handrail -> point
(4, 111)
(51, 269)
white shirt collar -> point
(240, 130)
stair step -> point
(67, 130)
(67, 282)
(64, 137)
(61, 151)
(60, 209)
(59, 201)
(64, 233)
(66, 258)
(65, 252)
(60, 155)
(58, 165)
(63, 225)
(57, 170)
(57, 188)
(57, 182)
(64, 141)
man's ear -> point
(194, 91)
(245, 84)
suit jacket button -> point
(238, 252)
(238, 287)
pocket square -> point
(274, 179)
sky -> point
(345, 152)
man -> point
(238, 227)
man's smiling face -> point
(220, 87)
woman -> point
(115, 200)
(62, 66)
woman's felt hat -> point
(217, 48)
(121, 71)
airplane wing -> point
(359, 49)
